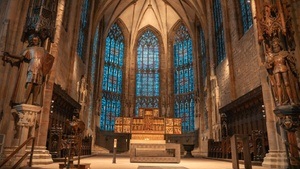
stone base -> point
(196, 152)
(203, 148)
(6, 152)
(81, 166)
(41, 156)
(275, 160)
(154, 153)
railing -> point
(23, 157)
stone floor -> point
(122, 162)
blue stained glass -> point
(83, 29)
(147, 76)
(121, 56)
(203, 52)
(219, 33)
(246, 15)
(184, 79)
(112, 78)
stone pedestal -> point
(24, 119)
(154, 153)
(276, 160)
(289, 120)
(41, 156)
(25, 116)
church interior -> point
(152, 81)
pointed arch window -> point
(93, 76)
(147, 75)
(246, 14)
(83, 30)
(202, 48)
(219, 31)
(112, 78)
(184, 79)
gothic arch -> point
(162, 59)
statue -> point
(82, 89)
(275, 31)
(283, 74)
(40, 63)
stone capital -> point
(25, 114)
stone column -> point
(41, 154)
(276, 157)
(28, 119)
(25, 121)
(264, 28)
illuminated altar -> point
(148, 130)
(148, 125)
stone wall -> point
(244, 59)
(69, 66)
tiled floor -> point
(122, 162)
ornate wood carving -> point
(148, 125)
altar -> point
(148, 130)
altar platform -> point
(104, 161)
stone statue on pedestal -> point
(276, 33)
(283, 74)
(82, 90)
(39, 65)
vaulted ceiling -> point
(161, 14)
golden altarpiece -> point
(148, 130)
(148, 125)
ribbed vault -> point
(161, 14)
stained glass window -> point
(202, 51)
(112, 78)
(184, 79)
(83, 30)
(147, 75)
(219, 31)
(246, 14)
(92, 76)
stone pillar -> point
(25, 121)
(41, 154)
(276, 157)
(264, 24)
